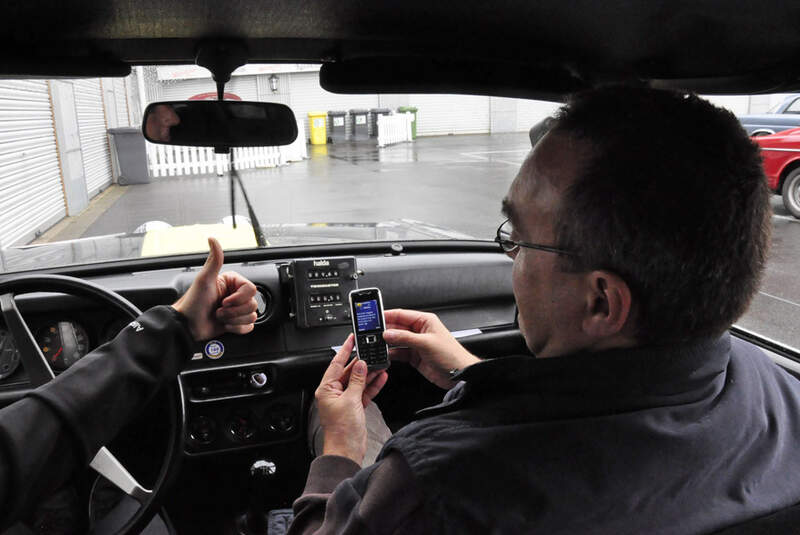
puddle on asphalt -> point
(356, 153)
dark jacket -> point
(58, 428)
(682, 440)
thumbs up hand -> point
(217, 303)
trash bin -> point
(319, 131)
(129, 156)
(373, 119)
(410, 109)
(359, 127)
(338, 128)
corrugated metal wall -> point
(243, 86)
(121, 100)
(265, 93)
(451, 114)
(32, 196)
(300, 91)
(523, 113)
(94, 139)
(305, 95)
(437, 115)
(530, 112)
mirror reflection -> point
(219, 124)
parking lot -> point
(455, 182)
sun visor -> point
(427, 75)
(62, 67)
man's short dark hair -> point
(673, 199)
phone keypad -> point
(372, 349)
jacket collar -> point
(616, 380)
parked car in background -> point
(781, 153)
(784, 116)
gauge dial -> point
(63, 344)
(9, 354)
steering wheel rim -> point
(23, 284)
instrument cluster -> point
(63, 341)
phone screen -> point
(367, 315)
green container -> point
(411, 109)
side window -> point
(794, 107)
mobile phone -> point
(366, 311)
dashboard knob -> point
(258, 379)
(263, 468)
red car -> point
(781, 153)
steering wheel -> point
(39, 373)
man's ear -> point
(608, 304)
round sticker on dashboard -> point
(214, 349)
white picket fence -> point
(171, 160)
(394, 128)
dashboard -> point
(251, 391)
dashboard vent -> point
(265, 308)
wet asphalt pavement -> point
(775, 310)
(455, 182)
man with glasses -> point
(636, 244)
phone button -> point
(371, 339)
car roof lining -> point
(713, 46)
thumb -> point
(214, 261)
(358, 379)
(400, 337)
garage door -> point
(94, 139)
(451, 114)
(121, 100)
(243, 86)
(31, 194)
(306, 95)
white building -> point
(298, 87)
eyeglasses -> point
(509, 246)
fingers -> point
(240, 289)
(413, 320)
(238, 329)
(374, 386)
(401, 317)
(401, 354)
(358, 380)
(213, 264)
(347, 369)
(371, 375)
(246, 319)
(233, 312)
(399, 337)
(336, 367)
(224, 313)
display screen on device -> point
(367, 315)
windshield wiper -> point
(261, 240)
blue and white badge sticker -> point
(214, 349)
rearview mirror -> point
(214, 123)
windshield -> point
(78, 183)
(81, 179)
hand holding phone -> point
(366, 311)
